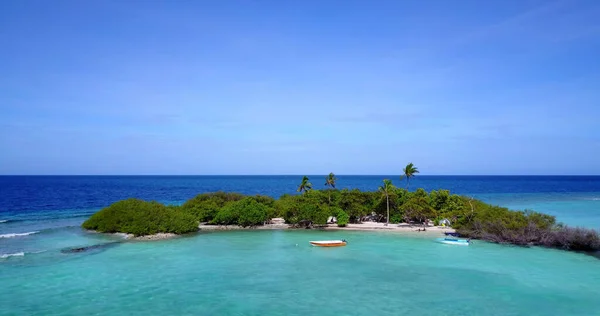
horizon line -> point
(295, 175)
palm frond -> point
(330, 180)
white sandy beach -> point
(403, 228)
(279, 224)
(365, 226)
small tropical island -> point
(312, 208)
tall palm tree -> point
(304, 185)
(409, 171)
(386, 189)
(330, 182)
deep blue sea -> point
(58, 197)
(276, 272)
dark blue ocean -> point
(49, 197)
(277, 272)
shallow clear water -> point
(278, 272)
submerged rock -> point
(90, 248)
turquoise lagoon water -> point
(278, 272)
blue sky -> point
(299, 87)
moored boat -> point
(454, 234)
(328, 243)
(454, 241)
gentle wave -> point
(46, 217)
(17, 234)
(20, 254)
(16, 254)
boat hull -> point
(328, 243)
(457, 242)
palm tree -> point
(330, 182)
(409, 171)
(304, 185)
(386, 189)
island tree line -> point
(312, 208)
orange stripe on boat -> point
(328, 243)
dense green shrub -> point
(420, 193)
(317, 214)
(253, 216)
(342, 218)
(245, 212)
(265, 200)
(396, 218)
(205, 206)
(228, 215)
(140, 218)
(204, 211)
(439, 199)
(220, 197)
(310, 208)
(417, 209)
(355, 203)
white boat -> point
(328, 243)
(454, 241)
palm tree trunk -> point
(407, 183)
(387, 220)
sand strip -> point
(366, 226)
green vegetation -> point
(409, 171)
(470, 217)
(386, 189)
(305, 185)
(524, 228)
(221, 208)
(246, 213)
(139, 218)
(306, 210)
(206, 206)
(342, 218)
(330, 182)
